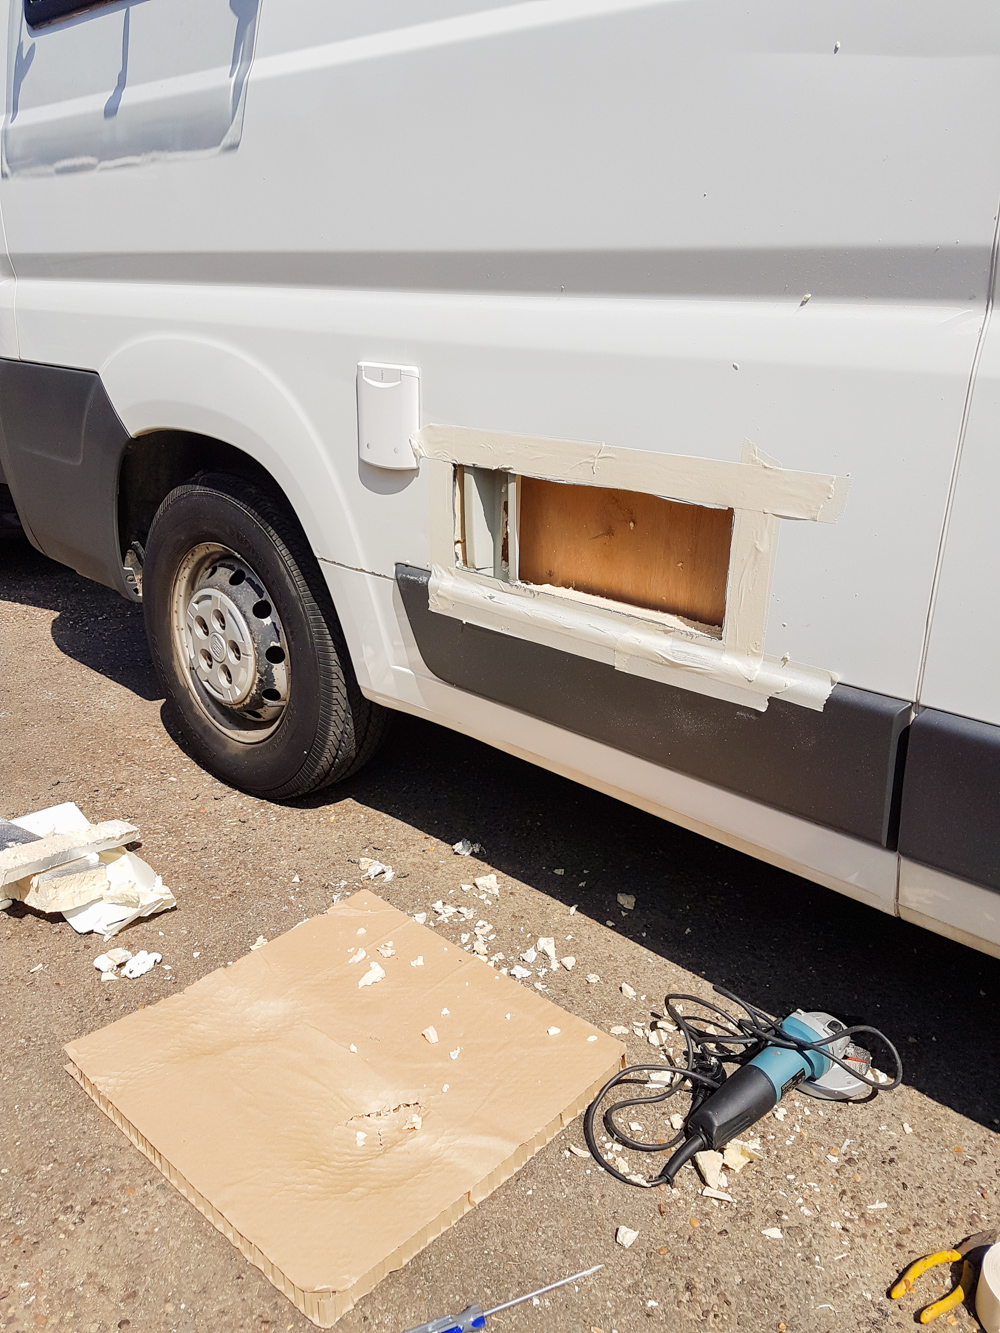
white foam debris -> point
(569, 962)
(572, 910)
(772, 1233)
(547, 946)
(358, 957)
(578, 1152)
(676, 1121)
(488, 884)
(113, 958)
(465, 848)
(420, 918)
(529, 956)
(430, 1034)
(521, 973)
(592, 1037)
(455, 1053)
(258, 943)
(737, 1154)
(625, 1236)
(710, 1193)
(709, 1164)
(592, 978)
(414, 1122)
(373, 869)
(386, 950)
(618, 1030)
(353, 1048)
(553, 1032)
(627, 990)
(780, 1112)
(627, 900)
(907, 1129)
(374, 973)
(559, 872)
(361, 1136)
(141, 963)
(418, 961)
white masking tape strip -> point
(761, 486)
(656, 651)
(988, 1291)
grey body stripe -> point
(946, 273)
(839, 767)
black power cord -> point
(735, 1040)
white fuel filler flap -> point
(388, 414)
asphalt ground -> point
(93, 1238)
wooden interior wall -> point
(653, 553)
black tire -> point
(327, 729)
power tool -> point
(811, 1051)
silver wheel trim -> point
(229, 644)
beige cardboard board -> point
(279, 1095)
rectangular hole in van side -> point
(626, 546)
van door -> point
(950, 825)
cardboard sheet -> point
(282, 1097)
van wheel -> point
(247, 645)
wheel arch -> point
(189, 404)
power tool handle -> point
(745, 1097)
(470, 1318)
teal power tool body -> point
(756, 1087)
(474, 1316)
(811, 1051)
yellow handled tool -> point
(970, 1250)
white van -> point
(609, 380)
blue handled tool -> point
(473, 1316)
(752, 1090)
(808, 1050)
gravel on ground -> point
(93, 1239)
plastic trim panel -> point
(836, 768)
(950, 816)
(61, 446)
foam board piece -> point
(309, 1119)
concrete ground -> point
(93, 1239)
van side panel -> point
(659, 224)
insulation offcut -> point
(56, 860)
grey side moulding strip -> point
(61, 446)
(950, 814)
(957, 273)
(836, 768)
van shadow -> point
(772, 938)
(93, 625)
(776, 940)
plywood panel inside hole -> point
(657, 554)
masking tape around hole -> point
(988, 1291)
